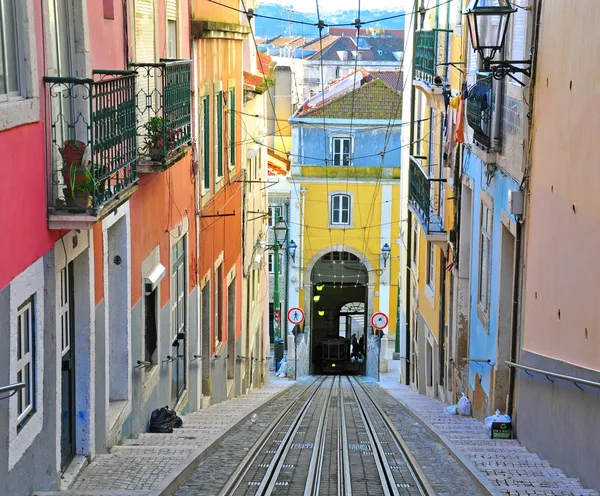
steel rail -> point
(267, 485)
(344, 478)
(423, 484)
(383, 467)
(242, 469)
(313, 481)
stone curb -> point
(456, 453)
(179, 474)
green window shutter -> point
(206, 140)
(232, 126)
(219, 133)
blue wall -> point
(311, 144)
(483, 344)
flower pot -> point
(72, 151)
(77, 199)
(79, 171)
(156, 154)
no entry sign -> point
(379, 320)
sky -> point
(333, 5)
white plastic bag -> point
(464, 406)
(497, 417)
(451, 410)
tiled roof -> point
(325, 41)
(351, 31)
(252, 79)
(380, 49)
(394, 79)
(373, 100)
(263, 63)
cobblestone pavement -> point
(506, 466)
(146, 465)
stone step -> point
(512, 457)
(508, 464)
(484, 450)
(547, 491)
(134, 450)
(486, 442)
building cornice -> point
(219, 30)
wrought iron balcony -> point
(91, 146)
(479, 110)
(163, 112)
(426, 198)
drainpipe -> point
(442, 322)
(301, 271)
(287, 278)
(498, 87)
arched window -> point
(340, 210)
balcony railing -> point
(91, 152)
(479, 110)
(426, 196)
(426, 55)
(163, 112)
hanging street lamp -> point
(292, 246)
(488, 22)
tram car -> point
(336, 357)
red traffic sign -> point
(296, 315)
(379, 320)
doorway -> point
(179, 317)
(66, 317)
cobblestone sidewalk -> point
(510, 469)
(155, 463)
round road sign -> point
(379, 320)
(296, 315)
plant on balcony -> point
(155, 138)
(72, 152)
(80, 188)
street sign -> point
(296, 315)
(379, 320)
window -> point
(485, 247)
(271, 267)
(231, 127)
(219, 134)
(9, 60)
(25, 362)
(204, 139)
(340, 210)
(171, 29)
(274, 214)
(430, 265)
(150, 328)
(415, 243)
(219, 304)
(341, 147)
(339, 256)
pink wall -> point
(562, 307)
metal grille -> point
(163, 101)
(426, 196)
(479, 109)
(425, 55)
(92, 152)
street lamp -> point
(292, 246)
(280, 230)
(488, 22)
(385, 253)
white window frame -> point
(23, 108)
(340, 209)
(218, 117)
(430, 276)
(341, 138)
(485, 234)
(274, 216)
(26, 362)
(27, 285)
(171, 18)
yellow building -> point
(345, 210)
(428, 345)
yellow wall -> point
(366, 211)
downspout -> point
(195, 166)
(515, 323)
(408, 214)
(442, 320)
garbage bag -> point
(497, 417)
(451, 410)
(163, 420)
(282, 367)
(464, 406)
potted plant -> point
(154, 138)
(72, 152)
(80, 189)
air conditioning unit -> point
(515, 202)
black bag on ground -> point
(163, 420)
